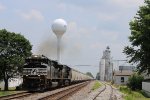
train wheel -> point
(60, 83)
(49, 84)
(42, 89)
(66, 82)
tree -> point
(135, 82)
(89, 74)
(14, 48)
(139, 51)
(98, 76)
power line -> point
(83, 65)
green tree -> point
(135, 82)
(13, 49)
(139, 51)
(98, 76)
(89, 74)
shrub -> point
(135, 82)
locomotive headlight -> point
(38, 75)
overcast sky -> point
(92, 25)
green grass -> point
(12, 88)
(132, 95)
(4, 93)
(115, 85)
(96, 85)
(10, 91)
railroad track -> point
(63, 94)
(105, 89)
(15, 96)
(55, 94)
(111, 94)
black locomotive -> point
(39, 72)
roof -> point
(123, 73)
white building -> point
(106, 66)
(146, 84)
(13, 82)
(121, 77)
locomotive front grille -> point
(34, 71)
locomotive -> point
(39, 72)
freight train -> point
(39, 72)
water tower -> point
(59, 27)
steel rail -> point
(100, 92)
(15, 96)
(111, 94)
(64, 93)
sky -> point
(92, 25)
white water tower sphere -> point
(59, 27)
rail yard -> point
(72, 92)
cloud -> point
(72, 26)
(2, 7)
(62, 6)
(33, 15)
(97, 45)
(73, 49)
(111, 35)
(126, 3)
(76, 31)
(106, 17)
(72, 30)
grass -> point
(115, 85)
(4, 93)
(132, 95)
(96, 85)
(12, 88)
(9, 92)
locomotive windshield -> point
(36, 61)
(34, 66)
